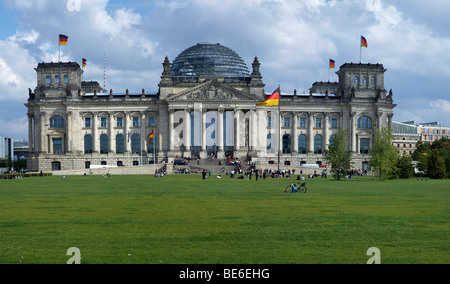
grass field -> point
(187, 220)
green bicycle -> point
(299, 188)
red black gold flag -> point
(63, 39)
(272, 100)
(332, 63)
(151, 136)
(363, 42)
(84, 62)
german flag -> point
(63, 39)
(150, 137)
(363, 42)
(332, 64)
(272, 100)
(84, 62)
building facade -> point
(432, 131)
(206, 105)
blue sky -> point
(293, 39)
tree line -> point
(431, 160)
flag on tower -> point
(363, 42)
(332, 63)
(63, 39)
(272, 100)
(84, 62)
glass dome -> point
(209, 60)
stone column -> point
(144, 140)
(310, 145)
(127, 132)
(353, 131)
(326, 126)
(187, 132)
(237, 132)
(95, 139)
(203, 132)
(111, 138)
(254, 131)
(30, 133)
(43, 132)
(220, 145)
(171, 142)
(294, 138)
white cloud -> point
(441, 105)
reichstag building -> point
(206, 105)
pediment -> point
(211, 91)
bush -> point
(436, 166)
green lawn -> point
(187, 220)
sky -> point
(293, 40)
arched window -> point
(356, 80)
(364, 122)
(104, 148)
(331, 141)
(48, 80)
(57, 81)
(372, 81)
(66, 79)
(364, 81)
(270, 142)
(286, 144)
(135, 144)
(302, 144)
(120, 144)
(318, 144)
(88, 144)
(57, 122)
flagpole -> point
(329, 71)
(279, 126)
(154, 156)
(360, 50)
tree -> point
(338, 155)
(436, 166)
(384, 155)
(420, 155)
(405, 166)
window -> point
(372, 81)
(269, 142)
(302, 122)
(66, 79)
(57, 146)
(364, 81)
(135, 121)
(103, 122)
(119, 122)
(318, 144)
(57, 79)
(364, 145)
(48, 80)
(302, 144)
(57, 122)
(104, 144)
(88, 144)
(364, 122)
(287, 122)
(269, 121)
(135, 144)
(334, 123)
(318, 122)
(87, 165)
(286, 144)
(120, 144)
(56, 166)
(356, 80)
(151, 121)
(87, 122)
(331, 141)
